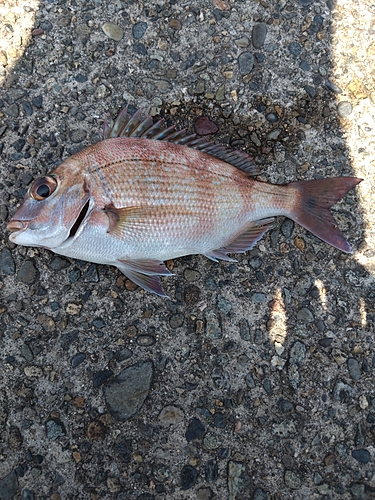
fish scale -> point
(145, 194)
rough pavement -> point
(255, 381)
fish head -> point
(53, 211)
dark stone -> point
(219, 420)
(78, 359)
(211, 471)
(8, 486)
(19, 144)
(295, 49)
(126, 393)
(245, 63)
(101, 377)
(55, 429)
(139, 30)
(188, 477)
(58, 263)
(27, 272)
(27, 107)
(285, 405)
(7, 265)
(362, 455)
(354, 369)
(28, 494)
(195, 430)
(38, 101)
(258, 35)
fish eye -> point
(43, 187)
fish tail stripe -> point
(313, 201)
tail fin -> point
(313, 201)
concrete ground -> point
(255, 380)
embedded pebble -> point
(126, 393)
(245, 63)
(195, 430)
(304, 314)
(205, 126)
(113, 31)
(344, 109)
(259, 34)
(213, 326)
(292, 480)
(139, 30)
(242, 42)
(27, 272)
(224, 305)
(238, 479)
(362, 455)
(55, 429)
(354, 369)
(8, 486)
(7, 264)
(188, 477)
(77, 135)
(170, 415)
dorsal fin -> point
(127, 125)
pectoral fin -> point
(244, 242)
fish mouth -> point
(16, 225)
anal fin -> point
(145, 273)
(243, 242)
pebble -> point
(354, 369)
(245, 330)
(344, 109)
(126, 393)
(99, 378)
(139, 30)
(205, 126)
(195, 430)
(176, 320)
(310, 90)
(77, 135)
(279, 152)
(342, 391)
(259, 297)
(258, 35)
(287, 228)
(260, 494)
(204, 494)
(58, 263)
(295, 49)
(245, 63)
(170, 415)
(238, 479)
(28, 494)
(8, 486)
(77, 359)
(213, 325)
(211, 471)
(224, 305)
(7, 264)
(55, 429)
(291, 480)
(304, 314)
(113, 31)
(242, 42)
(27, 272)
(188, 477)
(335, 89)
(362, 455)
(191, 295)
(191, 275)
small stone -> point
(291, 480)
(205, 126)
(175, 24)
(279, 152)
(285, 405)
(113, 31)
(224, 305)
(99, 378)
(58, 263)
(238, 478)
(176, 320)
(362, 455)
(33, 371)
(188, 477)
(211, 471)
(55, 429)
(191, 295)
(310, 90)
(7, 264)
(195, 430)
(220, 93)
(96, 430)
(77, 135)
(245, 63)
(126, 393)
(28, 494)
(344, 109)
(354, 369)
(259, 34)
(204, 494)
(139, 30)
(27, 272)
(191, 275)
(295, 49)
(213, 326)
(304, 314)
(259, 297)
(8, 486)
(342, 392)
(242, 42)
(78, 359)
(170, 415)
(260, 494)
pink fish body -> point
(145, 195)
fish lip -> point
(14, 226)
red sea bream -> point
(144, 195)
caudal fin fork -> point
(314, 199)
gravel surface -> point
(255, 381)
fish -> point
(145, 194)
